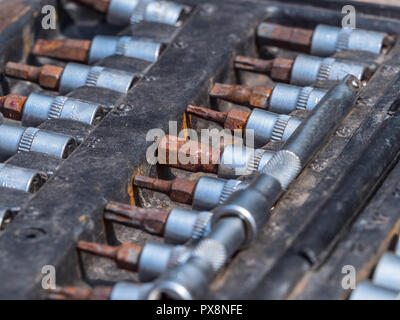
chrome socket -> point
(185, 225)
(131, 291)
(239, 161)
(39, 108)
(15, 139)
(287, 98)
(387, 272)
(105, 46)
(78, 75)
(212, 192)
(309, 69)
(328, 39)
(368, 291)
(155, 259)
(268, 126)
(124, 12)
(21, 178)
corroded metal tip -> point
(278, 69)
(126, 256)
(65, 49)
(252, 97)
(179, 190)
(298, 39)
(207, 114)
(98, 249)
(188, 155)
(163, 186)
(47, 76)
(12, 106)
(99, 5)
(74, 293)
(150, 220)
(23, 71)
(253, 64)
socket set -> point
(307, 189)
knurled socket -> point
(308, 70)
(211, 192)
(23, 179)
(239, 161)
(328, 40)
(78, 75)
(15, 139)
(39, 107)
(105, 46)
(124, 12)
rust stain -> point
(11, 12)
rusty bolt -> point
(179, 190)
(252, 97)
(149, 220)
(12, 106)
(126, 255)
(65, 49)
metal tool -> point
(304, 70)
(281, 98)
(21, 178)
(266, 126)
(71, 77)
(37, 108)
(15, 139)
(324, 40)
(124, 12)
(233, 161)
(204, 194)
(86, 51)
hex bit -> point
(280, 98)
(265, 125)
(86, 51)
(37, 108)
(126, 256)
(46, 76)
(230, 161)
(149, 261)
(179, 190)
(120, 291)
(204, 194)
(72, 76)
(304, 70)
(324, 40)
(177, 226)
(74, 293)
(150, 220)
(202, 158)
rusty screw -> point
(126, 256)
(197, 156)
(65, 49)
(74, 293)
(297, 39)
(12, 106)
(278, 69)
(179, 190)
(233, 119)
(252, 97)
(149, 220)
(47, 76)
